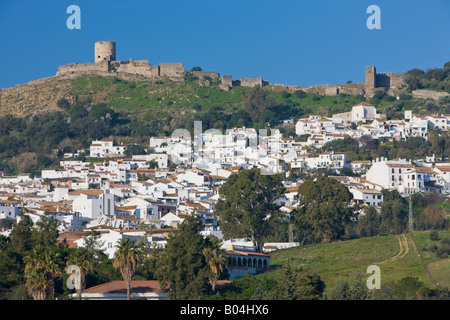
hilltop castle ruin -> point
(387, 80)
(106, 64)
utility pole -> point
(291, 233)
(410, 215)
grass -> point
(344, 260)
(169, 96)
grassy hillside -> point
(343, 260)
(155, 98)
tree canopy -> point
(247, 203)
(324, 208)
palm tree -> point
(127, 258)
(216, 260)
(41, 270)
(82, 259)
(38, 283)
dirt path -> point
(404, 249)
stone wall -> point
(248, 82)
(383, 79)
(203, 74)
(171, 69)
(429, 94)
(85, 68)
(141, 67)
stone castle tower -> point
(105, 51)
(371, 76)
(385, 80)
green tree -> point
(256, 102)
(21, 235)
(247, 203)
(82, 259)
(287, 284)
(215, 259)
(182, 265)
(41, 269)
(324, 208)
(127, 258)
(406, 288)
(309, 286)
(368, 224)
(394, 213)
(45, 232)
(134, 149)
(341, 291)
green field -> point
(343, 260)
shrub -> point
(434, 235)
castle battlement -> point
(385, 80)
(106, 64)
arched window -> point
(234, 261)
(259, 263)
(239, 261)
(265, 263)
(254, 263)
(244, 262)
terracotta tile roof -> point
(363, 104)
(139, 286)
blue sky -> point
(293, 42)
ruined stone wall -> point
(390, 80)
(85, 68)
(248, 82)
(383, 79)
(171, 69)
(397, 79)
(429, 94)
(203, 74)
(141, 67)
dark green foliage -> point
(356, 291)
(406, 288)
(182, 265)
(63, 103)
(443, 250)
(45, 232)
(323, 209)
(369, 224)
(394, 213)
(295, 284)
(246, 201)
(435, 78)
(434, 235)
(134, 149)
(256, 102)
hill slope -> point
(397, 257)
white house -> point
(9, 211)
(102, 148)
(371, 197)
(110, 239)
(93, 203)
